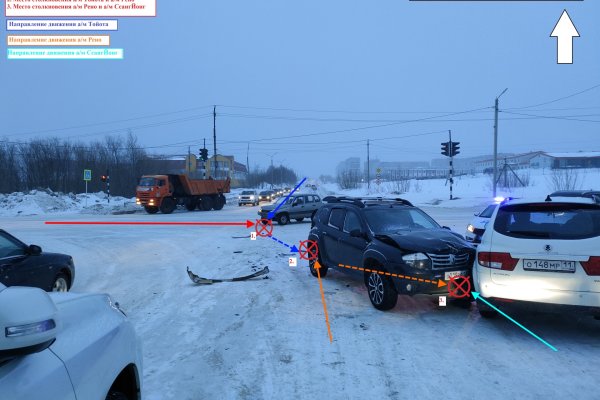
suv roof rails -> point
(362, 201)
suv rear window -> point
(549, 221)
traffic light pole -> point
(451, 162)
(108, 185)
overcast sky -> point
(403, 72)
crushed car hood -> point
(427, 241)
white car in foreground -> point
(65, 346)
(541, 252)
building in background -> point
(195, 168)
(543, 160)
(226, 167)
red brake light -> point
(592, 266)
(497, 260)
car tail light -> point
(592, 266)
(497, 260)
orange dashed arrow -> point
(440, 283)
(317, 266)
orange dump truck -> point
(165, 192)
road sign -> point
(87, 175)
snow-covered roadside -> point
(40, 202)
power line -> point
(106, 122)
(558, 99)
(566, 118)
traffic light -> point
(204, 154)
(454, 148)
(446, 149)
(103, 178)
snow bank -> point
(39, 202)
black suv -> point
(394, 247)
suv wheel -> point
(283, 219)
(61, 283)
(381, 290)
(313, 271)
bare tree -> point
(565, 179)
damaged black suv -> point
(394, 247)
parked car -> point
(63, 346)
(27, 265)
(267, 195)
(543, 254)
(248, 197)
(297, 206)
(384, 237)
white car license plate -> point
(452, 274)
(549, 265)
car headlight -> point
(251, 197)
(417, 260)
(471, 228)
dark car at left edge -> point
(27, 265)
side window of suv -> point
(352, 222)
(336, 218)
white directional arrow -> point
(564, 32)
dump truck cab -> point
(151, 190)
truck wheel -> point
(219, 202)
(191, 204)
(206, 203)
(283, 219)
(151, 210)
(168, 205)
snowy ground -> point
(267, 338)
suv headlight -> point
(471, 228)
(417, 260)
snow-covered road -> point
(267, 338)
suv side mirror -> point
(34, 250)
(28, 321)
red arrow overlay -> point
(247, 224)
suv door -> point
(313, 204)
(351, 249)
(331, 230)
(13, 254)
(298, 208)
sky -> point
(305, 84)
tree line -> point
(58, 164)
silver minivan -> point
(298, 207)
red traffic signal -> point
(103, 178)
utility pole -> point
(204, 161)
(271, 172)
(368, 166)
(247, 162)
(215, 139)
(496, 141)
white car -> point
(541, 252)
(478, 224)
(65, 346)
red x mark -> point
(264, 227)
(456, 287)
(308, 250)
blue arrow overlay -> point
(272, 213)
(477, 296)
(292, 248)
